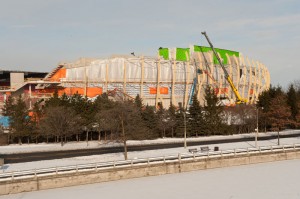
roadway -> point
(38, 156)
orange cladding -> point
(163, 90)
(61, 73)
(152, 90)
(90, 91)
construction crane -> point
(239, 99)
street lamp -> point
(256, 134)
(184, 122)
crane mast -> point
(239, 99)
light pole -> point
(256, 134)
(184, 122)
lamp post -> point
(256, 134)
(184, 122)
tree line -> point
(70, 118)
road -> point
(37, 156)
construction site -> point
(174, 76)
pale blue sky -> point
(37, 34)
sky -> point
(36, 35)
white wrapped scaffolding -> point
(170, 81)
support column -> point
(242, 60)
(187, 78)
(254, 82)
(142, 78)
(250, 80)
(174, 102)
(200, 81)
(237, 74)
(259, 80)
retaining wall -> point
(135, 171)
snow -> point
(25, 148)
(276, 180)
(119, 156)
(268, 180)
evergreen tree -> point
(64, 100)
(102, 102)
(84, 108)
(212, 112)
(180, 118)
(162, 119)
(19, 120)
(36, 116)
(138, 101)
(54, 100)
(172, 118)
(264, 100)
(8, 107)
(196, 121)
(292, 101)
(149, 118)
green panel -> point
(222, 53)
(164, 52)
(181, 54)
(202, 49)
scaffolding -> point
(169, 78)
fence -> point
(196, 156)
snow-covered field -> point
(119, 156)
(276, 180)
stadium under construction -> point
(174, 76)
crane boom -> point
(229, 80)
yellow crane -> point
(239, 99)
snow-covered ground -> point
(119, 156)
(24, 148)
(276, 180)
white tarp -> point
(96, 71)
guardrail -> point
(8, 176)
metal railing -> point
(181, 157)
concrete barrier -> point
(135, 171)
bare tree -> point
(279, 114)
(61, 122)
(126, 121)
(242, 116)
